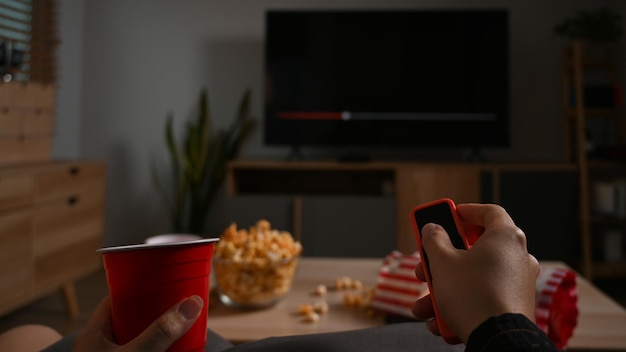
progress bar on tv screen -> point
(399, 116)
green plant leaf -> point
(602, 25)
(156, 181)
(171, 143)
(244, 105)
(199, 162)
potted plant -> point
(198, 164)
(599, 26)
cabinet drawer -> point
(26, 122)
(63, 222)
(7, 92)
(33, 95)
(16, 190)
(61, 181)
(15, 149)
(15, 257)
(44, 96)
(10, 121)
(38, 121)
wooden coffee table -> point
(601, 323)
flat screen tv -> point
(394, 78)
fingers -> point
(433, 327)
(494, 221)
(423, 308)
(97, 335)
(104, 318)
(101, 317)
(436, 243)
(419, 273)
(170, 326)
(486, 215)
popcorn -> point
(346, 283)
(312, 317)
(312, 312)
(320, 307)
(350, 299)
(305, 309)
(355, 295)
(321, 290)
(255, 267)
(343, 282)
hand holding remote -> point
(496, 276)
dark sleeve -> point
(508, 332)
(215, 343)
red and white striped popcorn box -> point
(556, 312)
(397, 288)
(556, 298)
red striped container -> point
(557, 304)
(556, 312)
(397, 288)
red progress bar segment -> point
(304, 115)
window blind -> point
(28, 40)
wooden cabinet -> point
(51, 224)
(16, 258)
(421, 183)
(26, 122)
(358, 198)
(594, 135)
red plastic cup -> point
(145, 280)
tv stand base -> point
(354, 158)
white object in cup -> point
(172, 237)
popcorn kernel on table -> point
(321, 290)
(312, 317)
(343, 282)
(305, 309)
(320, 307)
(349, 299)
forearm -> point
(508, 332)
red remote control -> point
(441, 212)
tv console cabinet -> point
(327, 196)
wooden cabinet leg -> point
(69, 292)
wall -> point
(69, 92)
(126, 64)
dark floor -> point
(51, 311)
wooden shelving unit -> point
(582, 67)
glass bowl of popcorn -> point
(254, 268)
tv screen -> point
(416, 77)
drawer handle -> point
(74, 170)
(72, 201)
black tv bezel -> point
(441, 134)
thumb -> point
(436, 242)
(169, 327)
